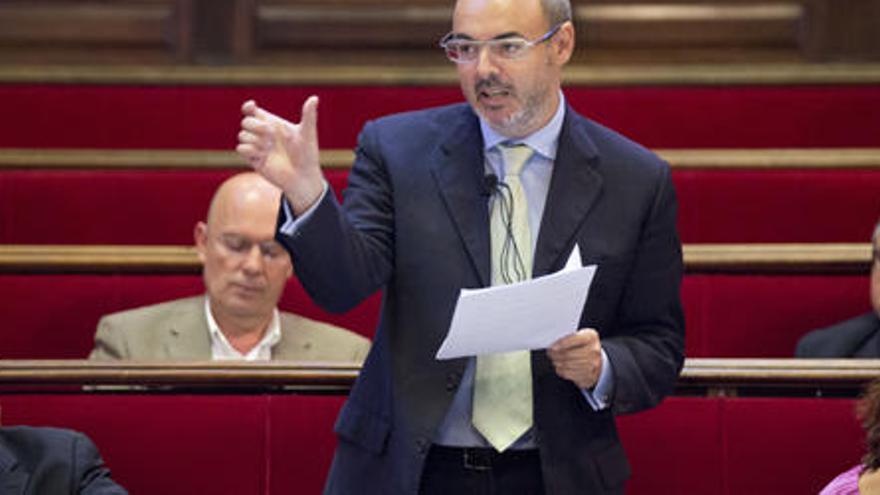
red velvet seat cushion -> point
(795, 205)
(55, 316)
(748, 446)
(775, 446)
(259, 444)
(676, 447)
(161, 207)
(764, 315)
(207, 117)
(301, 442)
(166, 445)
(110, 207)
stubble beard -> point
(521, 122)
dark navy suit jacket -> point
(415, 223)
(857, 337)
(42, 461)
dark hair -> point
(557, 11)
(868, 411)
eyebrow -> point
(509, 34)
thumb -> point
(310, 118)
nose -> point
(253, 261)
(484, 64)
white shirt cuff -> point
(600, 395)
(292, 223)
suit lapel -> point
(188, 336)
(574, 188)
(458, 171)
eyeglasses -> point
(465, 50)
(239, 245)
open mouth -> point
(493, 96)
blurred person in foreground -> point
(245, 271)
(497, 191)
(864, 478)
(52, 461)
(857, 337)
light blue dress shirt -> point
(456, 429)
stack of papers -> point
(532, 314)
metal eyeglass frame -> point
(496, 45)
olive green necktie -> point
(502, 409)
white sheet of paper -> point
(526, 315)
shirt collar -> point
(544, 141)
(270, 338)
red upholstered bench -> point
(185, 444)
(268, 444)
(206, 117)
(110, 207)
(161, 207)
(753, 315)
(767, 205)
(747, 446)
(54, 316)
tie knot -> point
(515, 156)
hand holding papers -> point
(525, 315)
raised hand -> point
(285, 153)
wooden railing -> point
(679, 159)
(698, 258)
(709, 377)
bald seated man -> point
(245, 271)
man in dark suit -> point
(857, 337)
(41, 461)
(416, 224)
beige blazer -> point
(178, 331)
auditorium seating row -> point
(160, 206)
(728, 314)
(182, 442)
(268, 443)
(757, 313)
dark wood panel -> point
(229, 32)
(842, 30)
(45, 23)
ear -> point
(200, 236)
(563, 43)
